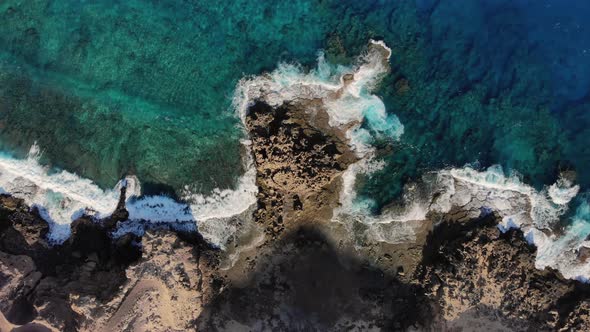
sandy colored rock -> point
(305, 272)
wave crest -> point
(62, 197)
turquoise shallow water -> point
(115, 87)
(109, 88)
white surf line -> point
(346, 93)
(30, 171)
(62, 197)
(522, 207)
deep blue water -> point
(497, 82)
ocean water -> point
(146, 89)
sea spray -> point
(519, 205)
(61, 197)
(536, 213)
(539, 214)
(344, 91)
(346, 95)
(219, 216)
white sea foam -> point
(536, 213)
(562, 192)
(518, 203)
(64, 196)
(217, 215)
(226, 203)
(224, 214)
(561, 252)
(60, 197)
(349, 102)
(346, 95)
(345, 92)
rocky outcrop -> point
(471, 275)
(42, 278)
(472, 267)
(165, 290)
(463, 274)
(94, 282)
(298, 161)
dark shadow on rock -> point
(89, 263)
(451, 233)
(306, 285)
(32, 327)
(495, 273)
(21, 311)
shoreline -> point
(300, 253)
(82, 266)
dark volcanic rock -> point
(41, 278)
(473, 266)
(471, 276)
(94, 282)
(297, 160)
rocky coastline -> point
(306, 273)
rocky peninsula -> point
(305, 272)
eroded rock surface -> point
(305, 274)
(471, 267)
(298, 163)
(96, 283)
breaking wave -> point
(346, 96)
(539, 214)
(220, 216)
(59, 197)
(62, 197)
(345, 92)
(562, 238)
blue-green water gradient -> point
(110, 87)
